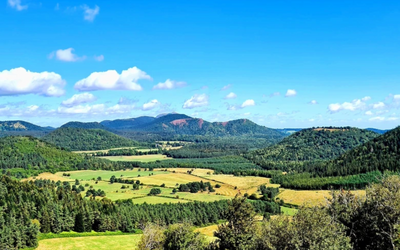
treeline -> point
(78, 139)
(195, 187)
(27, 208)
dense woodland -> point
(77, 139)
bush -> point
(155, 191)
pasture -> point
(141, 158)
(106, 175)
(91, 242)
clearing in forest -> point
(106, 175)
(141, 158)
(309, 197)
(91, 242)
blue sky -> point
(278, 63)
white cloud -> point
(396, 97)
(196, 101)
(377, 118)
(150, 105)
(369, 113)
(16, 4)
(90, 14)
(66, 55)
(111, 80)
(313, 102)
(248, 103)
(367, 98)
(378, 105)
(226, 87)
(291, 93)
(169, 84)
(78, 99)
(230, 96)
(392, 118)
(99, 58)
(356, 104)
(81, 109)
(20, 81)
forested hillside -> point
(87, 139)
(85, 125)
(314, 144)
(128, 124)
(32, 153)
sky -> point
(281, 64)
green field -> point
(91, 243)
(289, 211)
(141, 158)
(106, 175)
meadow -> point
(141, 158)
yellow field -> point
(157, 200)
(309, 197)
(142, 158)
(208, 231)
(48, 176)
(91, 242)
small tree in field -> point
(155, 191)
(153, 238)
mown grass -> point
(91, 243)
(141, 158)
(288, 211)
(106, 175)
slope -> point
(87, 139)
(85, 125)
(314, 144)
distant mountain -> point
(185, 125)
(87, 139)
(128, 124)
(21, 126)
(313, 144)
(379, 131)
(85, 125)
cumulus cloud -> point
(169, 84)
(196, 101)
(150, 105)
(248, 103)
(378, 105)
(111, 80)
(90, 14)
(356, 104)
(66, 55)
(79, 99)
(313, 102)
(20, 81)
(226, 87)
(396, 97)
(377, 118)
(82, 109)
(16, 4)
(230, 96)
(290, 93)
(99, 58)
(126, 101)
(369, 113)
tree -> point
(182, 237)
(155, 191)
(238, 233)
(153, 238)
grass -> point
(91, 242)
(197, 171)
(106, 175)
(48, 176)
(141, 158)
(171, 179)
(288, 211)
